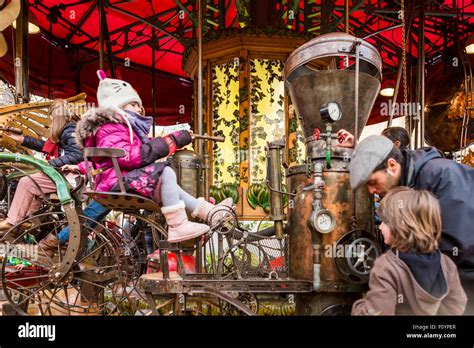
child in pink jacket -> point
(118, 123)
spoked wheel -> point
(134, 239)
(222, 220)
(203, 305)
(245, 299)
(182, 305)
(96, 283)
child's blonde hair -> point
(61, 113)
(414, 219)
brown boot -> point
(48, 245)
(5, 226)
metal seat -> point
(124, 202)
(120, 201)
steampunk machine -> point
(316, 258)
(324, 254)
(333, 81)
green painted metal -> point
(20, 174)
(53, 174)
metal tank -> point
(333, 81)
(189, 170)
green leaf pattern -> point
(267, 120)
(225, 107)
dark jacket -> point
(453, 184)
(395, 289)
(69, 151)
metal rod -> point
(346, 14)
(50, 69)
(101, 34)
(22, 55)
(356, 104)
(108, 45)
(356, 128)
(421, 58)
(199, 77)
(153, 80)
(145, 21)
(382, 30)
(208, 137)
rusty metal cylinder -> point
(337, 198)
(317, 257)
(189, 169)
(274, 177)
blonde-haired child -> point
(413, 277)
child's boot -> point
(48, 245)
(204, 210)
(179, 227)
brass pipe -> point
(274, 181)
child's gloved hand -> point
(345, 138)
(181, 138)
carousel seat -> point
(124, 202)
(120, 201)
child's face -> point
(134, 107)
(386, 233)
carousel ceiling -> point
(132, 28)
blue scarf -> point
(141, 125)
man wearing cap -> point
(381, 166)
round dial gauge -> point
(331, 112)
(323, 221)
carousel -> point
(265, 86)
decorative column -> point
(245, 102)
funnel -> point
(324, 70)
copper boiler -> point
(332, 237)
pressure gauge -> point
(331, 112)
(323, 221)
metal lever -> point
(208, 137)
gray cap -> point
(368, 154)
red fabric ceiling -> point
(173, 94)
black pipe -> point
(22, 55)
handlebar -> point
(208, 138)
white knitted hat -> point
(112, 92)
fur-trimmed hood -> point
(94, 118)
